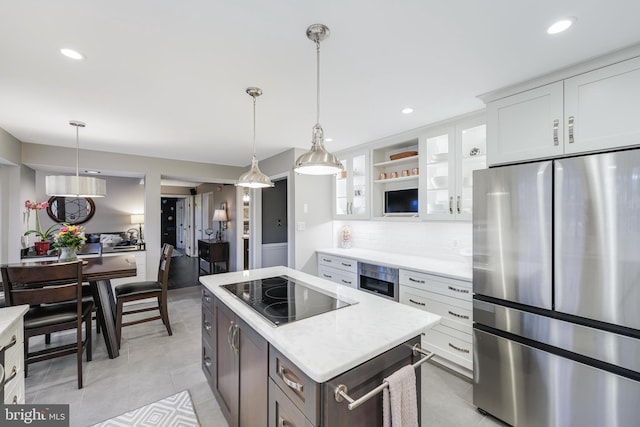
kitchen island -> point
(289, 373)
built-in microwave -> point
(401, 202)
(378, 279)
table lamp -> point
(220, 215)
(138, 219)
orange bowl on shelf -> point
(402, 155)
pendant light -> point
(76, 186)
(317, 161)
(254, 178)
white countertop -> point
(328, 344)
(454, 270)
(9, 314)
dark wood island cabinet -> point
(256, 385)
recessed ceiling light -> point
(92, 172)
(407, 110)
(561, 25)
(73, 54)
(328, 139)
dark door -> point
(168, 220)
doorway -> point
(275, 228)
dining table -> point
(98, 272)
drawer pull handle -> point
(207, 325)
(346, 282)
(328, 276)
(571, 140)
(326, 260)
(346, 264)
(11, 344)
(15, 400)
(462, 291)
(417, 302)
(207, 298)
(14, 372)
(460, 316)
(461, 350)
(411, 279)
(291, 383)
(284, 423)
(229, 338)
(207, 361)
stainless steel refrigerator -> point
(556, 281)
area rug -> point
(172, 411)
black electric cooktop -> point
(282, 299)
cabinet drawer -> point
(341, 277)
(301, 390)
(208, 361)
(450, 344)
(282, 412)
(442, 285)
(14, 391)
(207, 299)
(207, 325)
(346, 264)
(456, 313)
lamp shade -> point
(137, 219)
(220, 215)
(75, 186)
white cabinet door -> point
(528, 125)
(450, 157)
(352, 188)
(603, 105)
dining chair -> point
(54, 295)
(129, 292)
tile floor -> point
(153, 365)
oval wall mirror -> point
(72, 210)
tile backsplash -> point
(450, 241)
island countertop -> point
(331, 343)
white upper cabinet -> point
(596, 110)
(528, 125)
(448, 158)
(352, 187)
(604, 106)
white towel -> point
(399, 399)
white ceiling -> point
(167, 78)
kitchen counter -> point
(454, 270)
(328, 344)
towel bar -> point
(342, 390)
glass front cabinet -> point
(352, 187)
(448, 157)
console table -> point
(213, 252)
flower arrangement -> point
(35, 206)
(70, 236)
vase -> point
(42, 248)
(67, 254)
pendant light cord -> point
(254, 126)
(77, 152)
(318, 81)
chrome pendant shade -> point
(75, 186)
(317, 161)
(254, 178)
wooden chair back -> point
(165, 262)
(42, 284)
